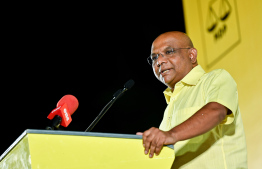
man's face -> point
(172, 69)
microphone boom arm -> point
(116, 95)
(104, 110)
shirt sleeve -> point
(223, 89)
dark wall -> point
(51, 52)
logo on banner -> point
(220, 28)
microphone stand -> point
(105, 109)
(55, 123)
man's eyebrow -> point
(168, 47)
(164, 49)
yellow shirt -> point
(222, 147)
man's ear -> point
(193, 55)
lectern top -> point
(72, 133)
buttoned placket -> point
(177, 90)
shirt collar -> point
(194, 75)
(168, 93)
(190, 79)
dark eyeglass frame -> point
(152, 60)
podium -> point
(48, 149)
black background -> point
(89, 51)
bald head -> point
(180, 38)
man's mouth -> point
(165, 71)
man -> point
(202, 118)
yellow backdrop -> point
(227, 34)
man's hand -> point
(202, 121)
(139, 133)
(154, 139)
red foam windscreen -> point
(71, 101)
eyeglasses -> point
(169, 52)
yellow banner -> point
(227, 34)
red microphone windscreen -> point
(71, 101)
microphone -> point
(61, 115)
(130, 83)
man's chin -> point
(169, 84)
(167, 81)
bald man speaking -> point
(202, 118)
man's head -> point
(174, 56)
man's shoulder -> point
(217, 75)
(217, 72)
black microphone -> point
(130, 83)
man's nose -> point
(161, 59)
